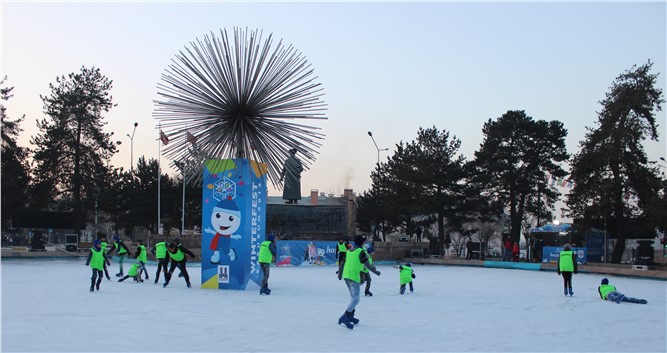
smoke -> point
(347, 177)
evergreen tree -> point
(512, 165)
(15, 168)
(72, 151)
(611, 169)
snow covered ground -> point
(46, 307)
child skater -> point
(406, 274)
(160, 252)
(142, 257)
(178, 259)
(355, 260)
(96, 260)
(609, 292)
(133, 272)
(567, 264)
(365, 273)
(103, 238)
(122, 250)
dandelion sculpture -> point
(240, 99)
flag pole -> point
(183, 206)
(159, 172)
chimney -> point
(349, 195)
(313, 196)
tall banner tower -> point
(233, 222)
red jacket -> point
(515, 249)
(508, 244)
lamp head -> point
(370, 134)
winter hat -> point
(272, 237)
(408, 264)
(604, 281)
(97, 243)
(226, 204)
(370, 250)
(567, 247)
(359, 240)
(116, 238)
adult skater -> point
(267, 252)
(160, 252)
(96, 259)
(609, 292)
(121, 250)
(406, 274)
(567, 264)
(355, 260)
(177, 255)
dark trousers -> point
(181, 266)
(402, 289)
(341, 261)
(367, 278)
(265, 270)
(96, 277)
(162, 265)
(567, 279)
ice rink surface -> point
(46, 307)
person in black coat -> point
(177, 252)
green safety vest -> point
(353, 266)
(606, 289)
(160, 250)
(103, 246)
(342, 247)
(177, 256)
(133, 270)
(565, 261)
(364, 269)
(119, 249)
(97, 259)
(406, 274)
(265, 255)
(142, 254)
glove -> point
(575, 272)
(413, 276)
(377, 273)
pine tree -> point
(72, 151)
(15, 168)
(611, 169)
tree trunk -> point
(76, 179)
(441, 233)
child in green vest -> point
(365, 273)
(160, 252)
(133, 272)
(267, 254)
(96, 260)
(406, 274)
(609, 292)
(567, 264)
(355, 259)
(177, 254)
(122, 250)
(103, 239)
(142, 257)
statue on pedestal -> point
(292, 175)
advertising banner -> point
(551, 253)
(233, 222)
(305, 252)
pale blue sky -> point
(385, 67)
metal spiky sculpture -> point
(239, 100)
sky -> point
(46, 307)
(385, 67)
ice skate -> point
(353, 319)
(571, 292)
(345, 321)
(368, 293)
(119, 274)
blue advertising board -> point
(551, 253)
(233, 222)
(305, 252)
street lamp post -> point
(376, 146)
(132, 148)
